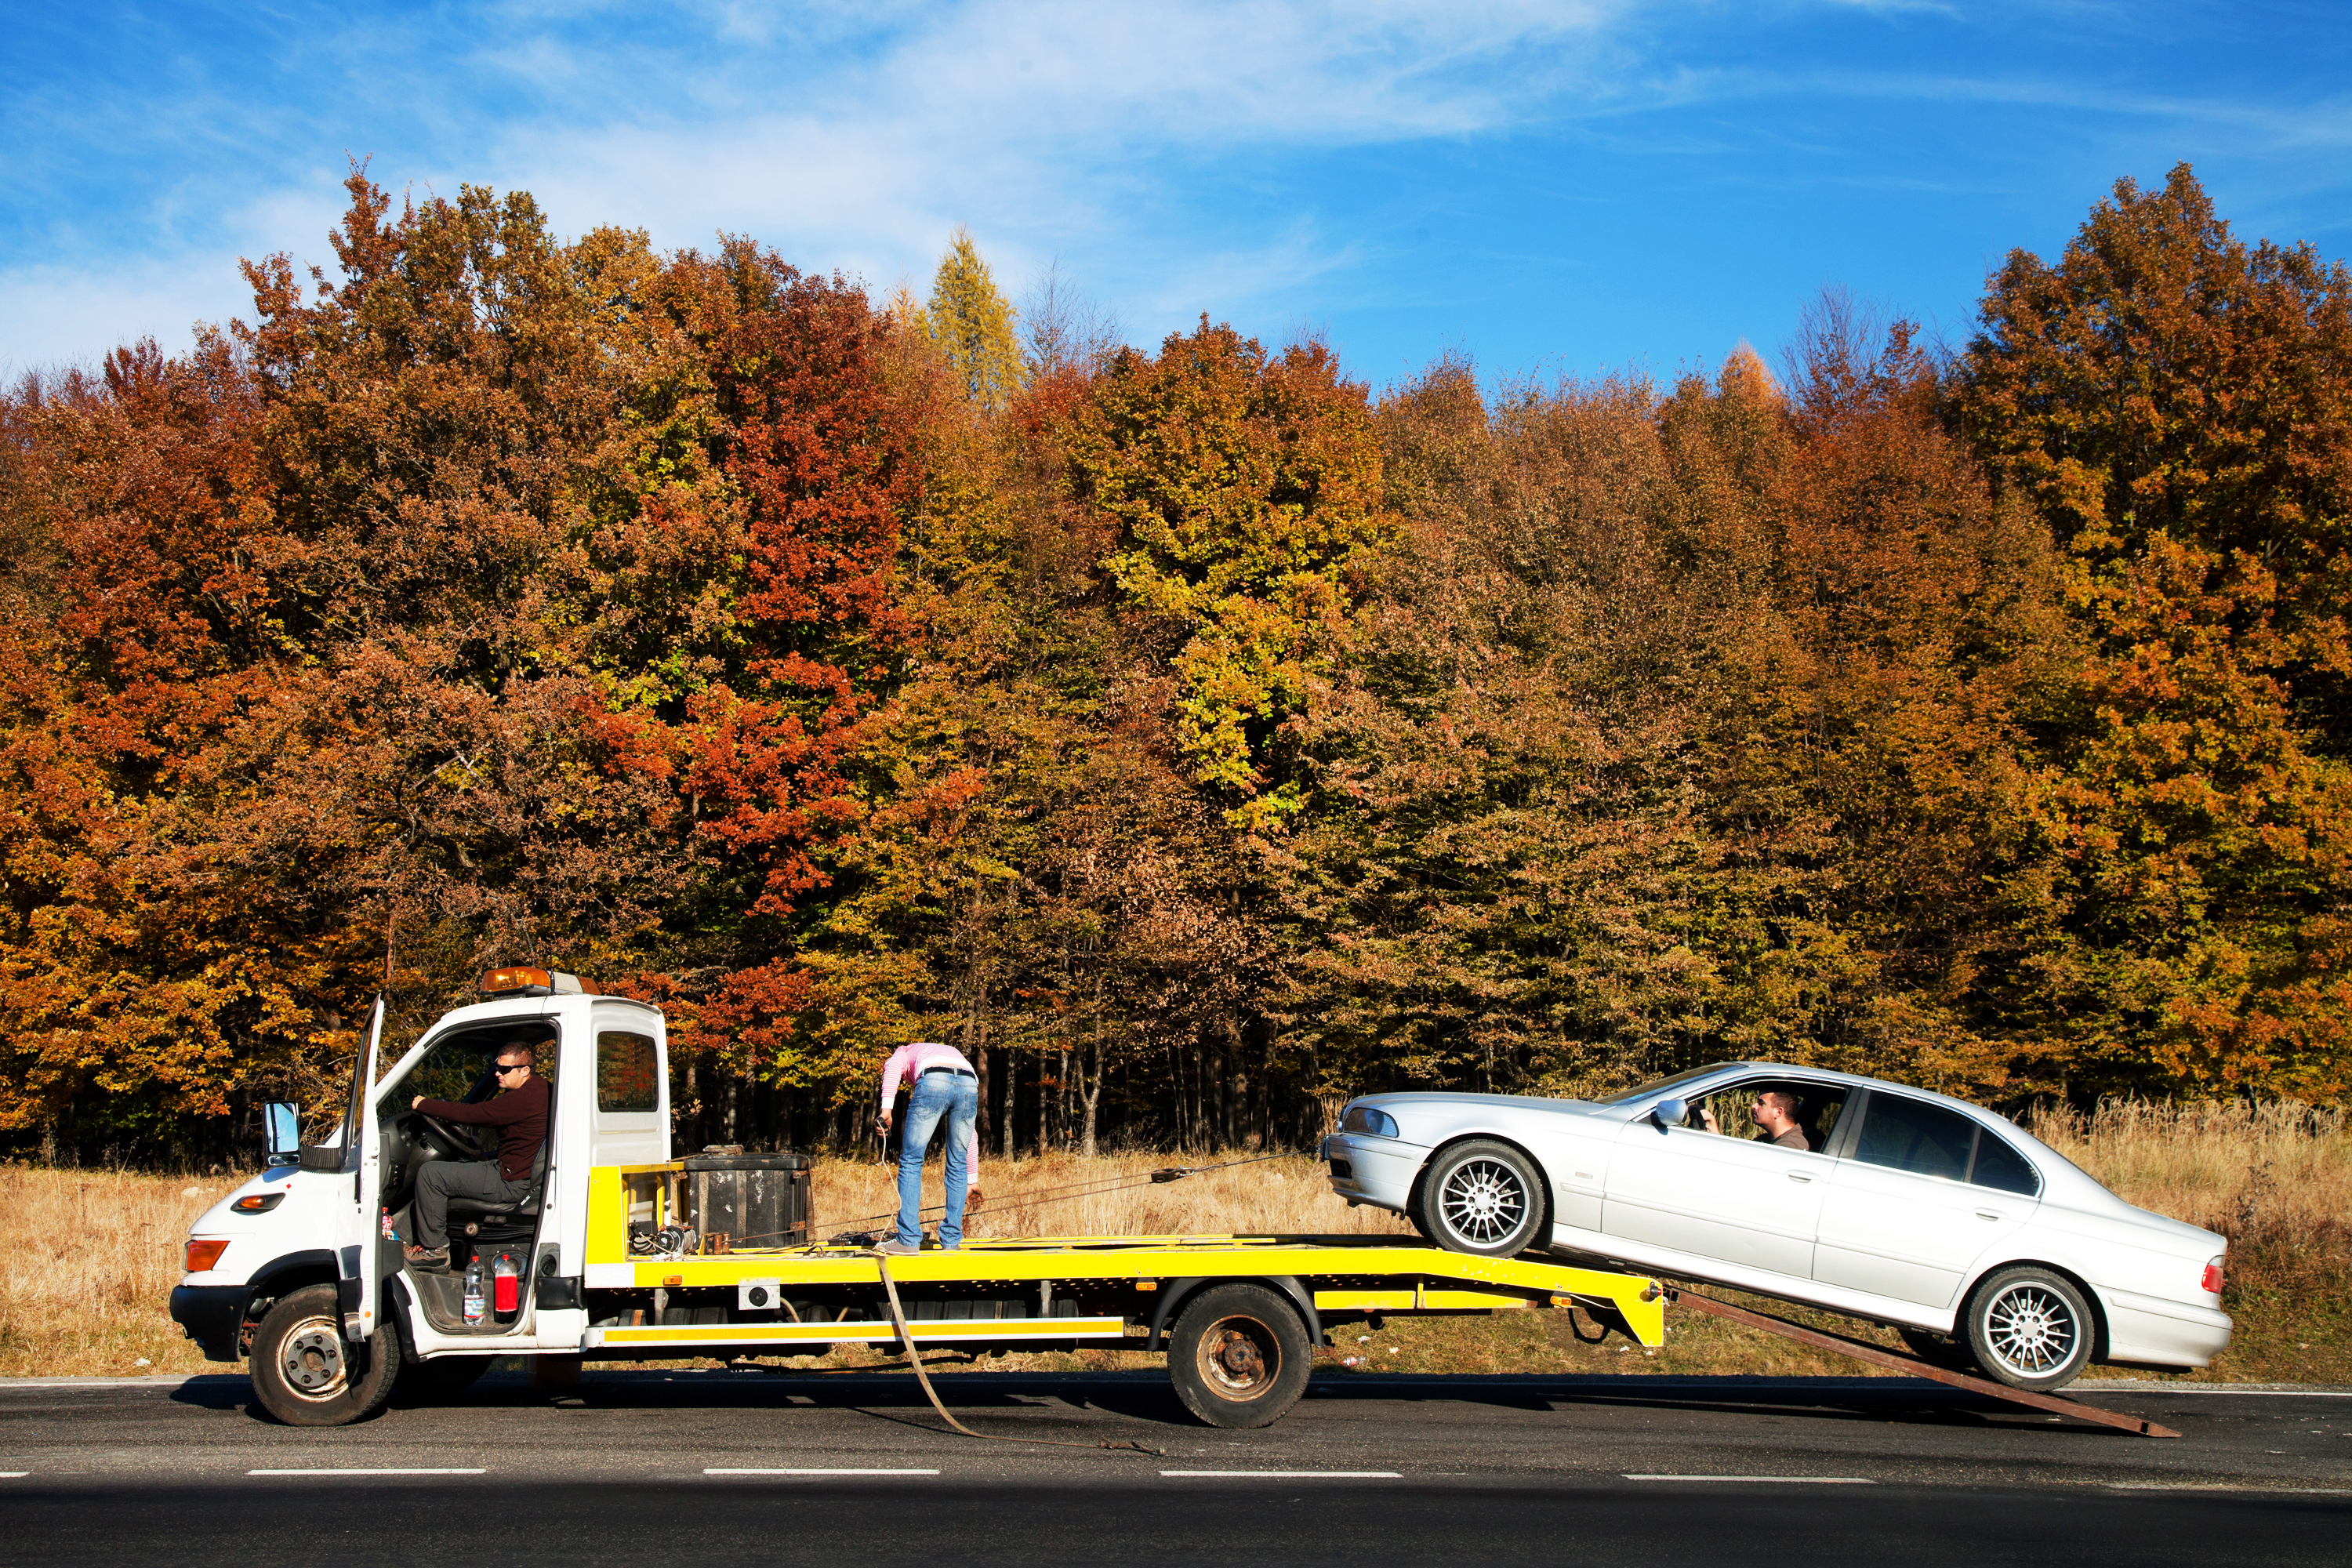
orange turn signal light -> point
(203, 1255)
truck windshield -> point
(458, 1066)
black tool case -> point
(752, 1200)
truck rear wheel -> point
(1238, 1356)
(307, 1375)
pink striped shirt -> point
(911, 1061)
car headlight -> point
(1364, 1119)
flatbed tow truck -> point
(618, 1254)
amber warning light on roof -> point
(520, 980)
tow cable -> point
(915, 1359)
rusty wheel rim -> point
(1239, 1358)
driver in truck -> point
(519, 1110)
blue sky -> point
(1548, 188)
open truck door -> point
(358, 1290)
(322, 1354)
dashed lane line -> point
(1285, 1475)
(750, 1471)
(1779, 1480)
(445, 1471)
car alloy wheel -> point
(1484, 1197)
(2029, 1328)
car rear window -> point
(2000, 1167)
(1911, 1136)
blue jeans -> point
(936, 1096)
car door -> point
(1900, 1216)
(1716, 1198)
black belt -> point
(958, 1072)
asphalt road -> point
(699, 1467)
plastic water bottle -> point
(474, 1292)
(506, 1285)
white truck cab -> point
(301, 1268)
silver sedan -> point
(1977, 1241)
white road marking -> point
(2082, 1388)
(1792, 1480)
(2220, 1486)
(1295, 1474)
(14, 1475)
(717, 1471)
(474, 1470)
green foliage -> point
(970, 324)
(1245, 490)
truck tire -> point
(2029, 1328)
(307, 1375)
(1484, 1198)
(1238, 1356)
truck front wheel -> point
(307, 1375)
(1238, 1356)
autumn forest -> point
(1195, 736)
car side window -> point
(1910, 1135)
(2003, 1168)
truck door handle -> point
(1794, 1177)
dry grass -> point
(87, 1260)
(90, 1257)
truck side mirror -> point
(282, 1120)
(1669, 1113)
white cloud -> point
(855, 138)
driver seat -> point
(483, 1221)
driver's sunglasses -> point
(506, 1068)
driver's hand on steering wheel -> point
(416, 1102)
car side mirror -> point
(1669, 1113)
(281, 1121)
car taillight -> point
(2211, 1281)
(203, 1255)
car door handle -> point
(1794, 1177)
(1991, 1213)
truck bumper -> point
(211, 1315)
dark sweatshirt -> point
(519, 1115)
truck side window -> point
(624, 1070)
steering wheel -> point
(447, 1140)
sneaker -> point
(428, 1259)
(894, 1247)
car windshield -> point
(1646, 1090)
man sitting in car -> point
(1776, 1113)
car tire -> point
(1415, 1214)
(1485, 1198)
(1937, 1350)
(1239, 1356)
(2029, 1328)
(307, 1375)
